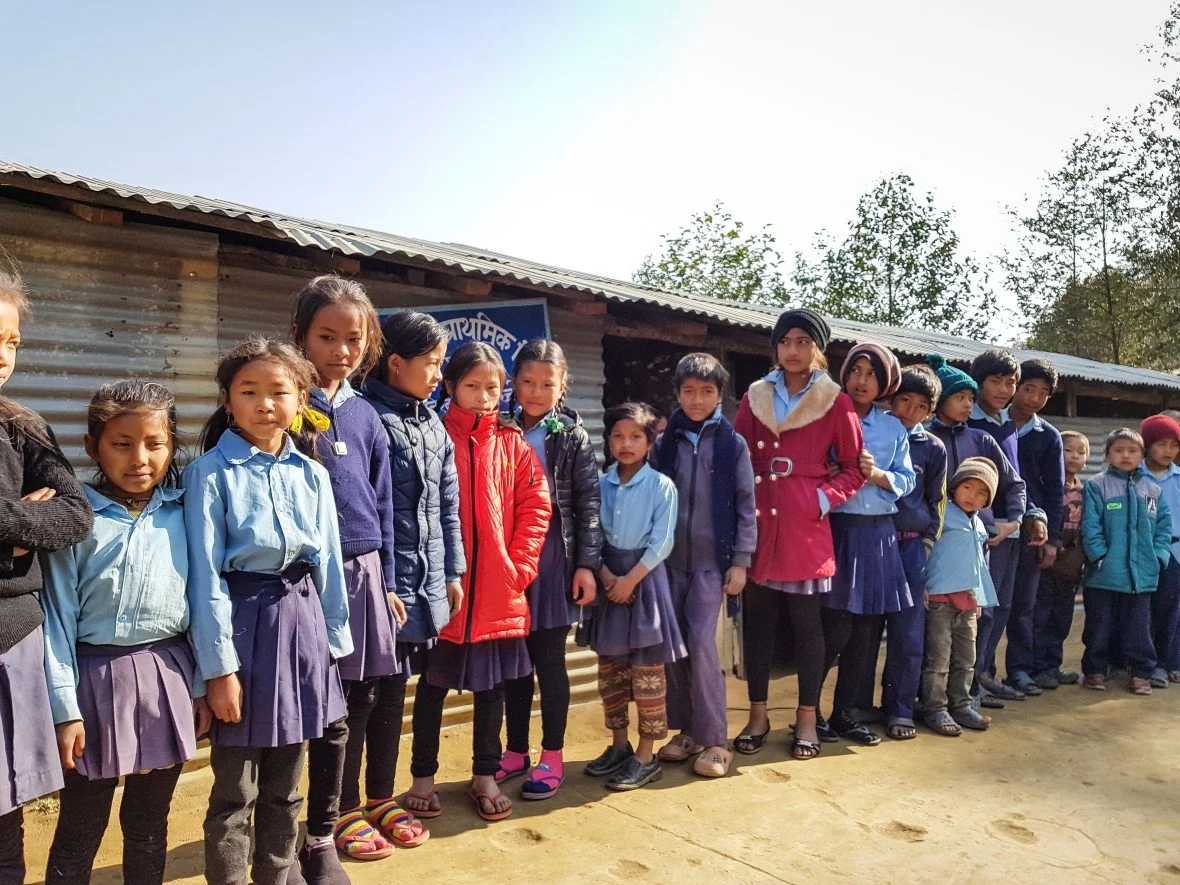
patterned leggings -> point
(620, 682)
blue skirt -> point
(645, 630)
(477, 666)
(290, 685)
(137, 707)
(550, 602)
(869, 579)
(28, 741)
(370, 619)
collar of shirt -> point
(694, 436)
(160, 496)
(779, 378)
(918, 431)
(612, 475)
(978, 414)
(1172, 470)
(343, 394)
(236, 450)
(1033, 424)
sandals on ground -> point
(749, 744)
(507, 773)
(849, 729)
(713, 762)
(801, 748)
(679, 749)
(944, 724)
(485, 806)
(396, 824)
(899, 728)
(356, 838)
(426, 807)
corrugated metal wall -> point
(1096, 430)
(110, 302)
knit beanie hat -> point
(1158, 427)
(952, 380)
(884, 363)
(807, 320)
(981, 469)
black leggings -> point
(547, 651)
(850, 638)
(12, 848)
(760, 611)
(375, 711)
(485, 733)
(143, 816)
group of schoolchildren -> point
(332, 540)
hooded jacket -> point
(1126, 531)
(504, 508)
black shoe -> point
(635, 774)
(610, 761)
(824, 729)
(848, 728)
(321, 866)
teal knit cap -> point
(953, 380)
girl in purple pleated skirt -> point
(121, 674)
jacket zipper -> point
(471, 572)
(1131, 535)
(692, 493)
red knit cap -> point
(884, 363)
(1158, 427)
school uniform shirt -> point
(1042, 467)
(1001, 428)
(639, 514)
(922, 509)
(886, 439)
(957, 564)
(1169, 483)
(249, 511)
(124, 585)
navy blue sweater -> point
(963, 442)
(1042, 467)
(921, 510)
(1004, 434)
(360, 478)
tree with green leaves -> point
(716, 257)
(898, 265)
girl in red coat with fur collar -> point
(504, 507)
(796, 421)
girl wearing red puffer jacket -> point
(504, 507)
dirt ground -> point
(1075, 786)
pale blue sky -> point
(573, 133)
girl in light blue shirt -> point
(268, 603)
(117, 659)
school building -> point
(133, 281)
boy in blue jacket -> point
(1127, 538)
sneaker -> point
(969, 718)
(1094, 682)
(1140, 685)
(609, 761)
(1046, 679)
(635, 774)
(321, 865)
(1159, 678)
(1067, 677)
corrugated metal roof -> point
(467, 259)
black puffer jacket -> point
(428, 540)
(573, 484)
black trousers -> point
(12, 848)
(854, 640)
(82, 821)
(760, 611)
(375, 711)
(547, 651)
(485, 737)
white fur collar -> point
(816, 403)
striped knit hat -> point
(884, 363)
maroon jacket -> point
(790, 462)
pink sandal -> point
(396, 824)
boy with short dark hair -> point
(996, 373)
(1127, 537)
(1042, 467)
(716, 532)
(1053, 616)
(1161, 436)
(950, 424)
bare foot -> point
(805, 724)
(422, 798)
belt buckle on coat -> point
(776, 471)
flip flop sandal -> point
(713, 762)
(944, 724)
(801, 748)
(824, 730)
(857, 732)
(485, 806)
(505, 774)
(396, 824)
(749, 744)
(433, 807)
(679, 749)
(542, 783)
(358, 840)
(901, 729)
